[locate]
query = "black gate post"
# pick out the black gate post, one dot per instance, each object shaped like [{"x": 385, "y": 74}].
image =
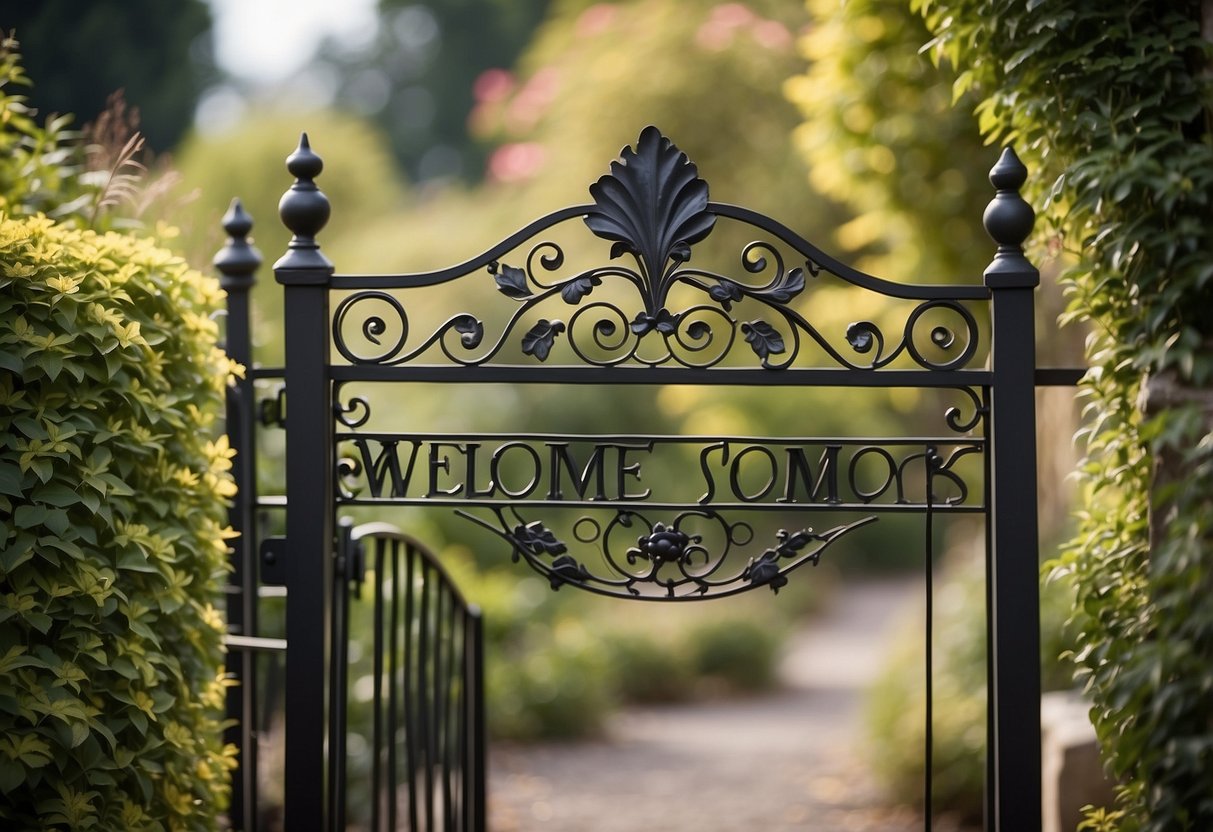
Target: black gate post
[
  {"x": 237, "y": 263},
  {"x": 1014, "y": 571},
  {"x": 304, "y": 273}
]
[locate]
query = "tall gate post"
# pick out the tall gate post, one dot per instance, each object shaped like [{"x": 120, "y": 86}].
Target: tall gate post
[
  {"x": 237, "y": 263},
  {"x": 1014, "y": 571},
  {"x": 304, "y": 273}
]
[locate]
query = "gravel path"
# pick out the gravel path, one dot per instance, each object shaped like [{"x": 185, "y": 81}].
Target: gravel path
[{"x": 777, "y": 763}]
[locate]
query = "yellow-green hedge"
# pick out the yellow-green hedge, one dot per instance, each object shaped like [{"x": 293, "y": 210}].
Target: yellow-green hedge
[{"x": 112, "y": 525}]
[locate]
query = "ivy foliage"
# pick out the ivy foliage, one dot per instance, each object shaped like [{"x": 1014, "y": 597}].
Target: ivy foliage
[
  {"x": 112, "y": 518},
  {"x": 1109, "y": 104}
]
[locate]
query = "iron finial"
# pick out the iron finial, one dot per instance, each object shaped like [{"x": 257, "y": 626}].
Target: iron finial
[
  {"x": 1008, "y": 220},
  {"x": 238, "y": 259},
  {"x": 304, "y": 210}
]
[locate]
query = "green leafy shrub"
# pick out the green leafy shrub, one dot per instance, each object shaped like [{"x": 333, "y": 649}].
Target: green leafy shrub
[
  {"x": 557, "y": 688},
  {"x": 739, "y": 651},
  {"x": 560, "y": 663},
  {"x": 648, "y": 668},
  {"x": 38, "y": 163},
  {"x": 112, "y": 532},
  {"x": 897, "y": 700}
]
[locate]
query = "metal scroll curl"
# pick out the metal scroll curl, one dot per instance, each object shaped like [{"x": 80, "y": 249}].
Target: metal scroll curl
[
  {"x": 959, "y": 419},
  {"x": 661, "y": 560},
  {"x": 653, "y": 209}
]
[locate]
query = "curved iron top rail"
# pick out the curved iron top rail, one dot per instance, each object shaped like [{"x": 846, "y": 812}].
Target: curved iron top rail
[
  {"x": 653, "y": 209},
  {"x": 905, "y": 291},
  {"x": 388, "y": 531}
]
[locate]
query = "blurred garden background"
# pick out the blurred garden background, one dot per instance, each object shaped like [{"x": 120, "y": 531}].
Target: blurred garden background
[{"x": 446, "y": 125}]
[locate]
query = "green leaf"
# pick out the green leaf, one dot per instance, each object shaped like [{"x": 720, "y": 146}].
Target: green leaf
[
  {"x": 13, "y": 556},
  {"x": 135, "y": 560},
  {"x": 56, "y": 494},
  {"x": 12, "y": 775},
  {"x": 10, "y": 481},
  {"x": 9, "y": 361},
  {"x": 15, "y": 658},
  {"x": 80, "y": 733},
  {"x": 39, "y": 621},
  {"x": 51, "y": 364},
  {"x": 28, "y": 516},
  {"x": 57, "y": 521}
]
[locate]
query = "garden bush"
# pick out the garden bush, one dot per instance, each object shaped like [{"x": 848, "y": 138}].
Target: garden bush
[
  {"x": 649, "y": 669},
  {"x": 897, "y": 700},
  {"x": 112, "y": 533},
  {"x": 739, "y": 651}
]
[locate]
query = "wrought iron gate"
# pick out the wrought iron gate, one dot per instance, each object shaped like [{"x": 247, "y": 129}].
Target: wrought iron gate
[{"x": 657, "y": 310}]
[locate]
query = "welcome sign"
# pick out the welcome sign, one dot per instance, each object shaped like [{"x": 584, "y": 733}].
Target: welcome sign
[{"x": 673, "y": 471}]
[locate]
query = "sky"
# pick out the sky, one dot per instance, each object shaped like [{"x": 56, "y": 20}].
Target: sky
[{"x": 264, "y": 41}]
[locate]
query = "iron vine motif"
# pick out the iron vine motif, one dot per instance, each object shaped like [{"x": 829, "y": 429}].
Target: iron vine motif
[
  {"x": 653, "y": 207},
  {"x": 673, "y": 563}
]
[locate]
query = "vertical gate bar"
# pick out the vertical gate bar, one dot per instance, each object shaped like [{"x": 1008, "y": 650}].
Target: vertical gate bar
[
  {"x": 339, "y": 677},
  {"x": 393, "y": 664},
  {"x": 466, "y": 720},
  {"x": 451, "y": 714},
  {"x": 410, "y": 677},
  {"x": 436, "y": 702},
  {"x": 305, "y": 274},
  {"x": 988, "y": 562},
  {"x": 1015, "y": 646},
  {"x": 377, "y": 788},
  {"x": 478, "y": 728},
  {"x": 928, "y": 800},
  {"x": 237, "y": 263},
  {"x": 461, "y": 708},
  {"x": 442, "y": 714},
  {"x": 424, "y": 684}
]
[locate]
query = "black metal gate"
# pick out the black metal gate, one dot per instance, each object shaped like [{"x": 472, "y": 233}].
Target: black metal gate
[{"x": 573, "y": 507}]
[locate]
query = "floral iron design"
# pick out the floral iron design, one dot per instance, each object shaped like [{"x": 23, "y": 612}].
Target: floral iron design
[
  {"x": 668, "y": 562},
  {"x": 653, "y": 207}
]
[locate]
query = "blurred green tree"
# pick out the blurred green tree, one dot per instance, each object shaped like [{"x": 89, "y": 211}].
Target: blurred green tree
[
  {"x": 417, "y": 80},
  {"x": 881, "y": 135},
  {"x": 81, "y": 53}
]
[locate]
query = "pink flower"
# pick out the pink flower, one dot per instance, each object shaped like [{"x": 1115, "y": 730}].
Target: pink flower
[
  {"x": 492, "y": 85},
  {"x": 516, "y": 162},
  {"x": 596, "y": 19}
]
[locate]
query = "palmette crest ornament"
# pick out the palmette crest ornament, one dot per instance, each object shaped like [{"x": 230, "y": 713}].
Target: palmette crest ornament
[{"x": 652, "y": 205}]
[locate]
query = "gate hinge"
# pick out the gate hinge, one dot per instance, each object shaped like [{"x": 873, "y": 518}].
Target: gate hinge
[
  {"x": 271, "y": 412},
  {"x": 350, "y": 566}
]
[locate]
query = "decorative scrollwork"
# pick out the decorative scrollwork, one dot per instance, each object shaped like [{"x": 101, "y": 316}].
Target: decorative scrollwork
[
  {"x": 668, "y": 561},
  {"x": 653, "y": 208},
  {"x": 353, "y": 414},
  {"x": 943, "y": 338},
  {"x": 373, "y": 326},
  {"x": 953, "y": 416}
]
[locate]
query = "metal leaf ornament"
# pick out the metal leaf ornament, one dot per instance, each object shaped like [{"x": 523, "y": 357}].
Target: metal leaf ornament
[{"x": 652, "y": 205}]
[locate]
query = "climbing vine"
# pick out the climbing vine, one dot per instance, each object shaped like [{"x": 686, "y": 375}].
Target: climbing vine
[{"x": 1109, "y": 104}]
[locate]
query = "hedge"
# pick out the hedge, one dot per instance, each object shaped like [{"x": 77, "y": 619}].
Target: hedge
[{"x": 113, "y": 479}]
